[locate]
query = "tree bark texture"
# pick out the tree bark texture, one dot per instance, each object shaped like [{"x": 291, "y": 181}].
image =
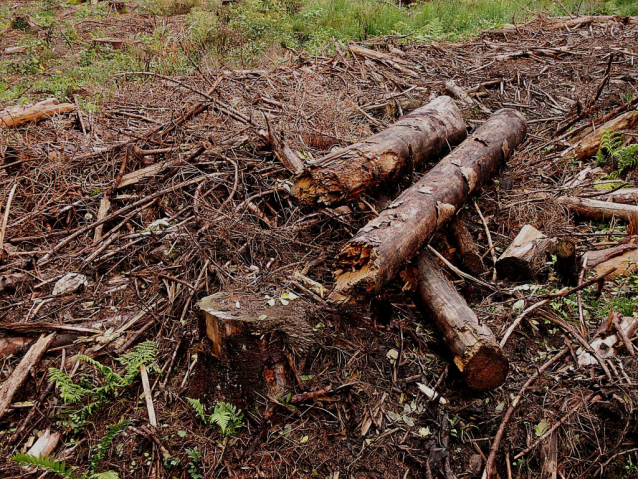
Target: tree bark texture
[
  {"x": 380, "y": 249},
  {"x": 598, "y": 210},
  {"x": 416, "y": 138},
  {"x": 476, "y": 352},
  {"x": 466, "y": 248}
]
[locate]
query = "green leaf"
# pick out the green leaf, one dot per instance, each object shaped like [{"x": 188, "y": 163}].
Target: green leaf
[{"x": 541, "y": 428}]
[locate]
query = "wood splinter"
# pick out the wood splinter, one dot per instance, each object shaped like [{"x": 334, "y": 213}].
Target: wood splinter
[{"x": 476, "y": 353}]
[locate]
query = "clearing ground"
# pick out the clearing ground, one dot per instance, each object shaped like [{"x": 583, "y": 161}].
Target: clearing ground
[{"x": 215, "y": 214}]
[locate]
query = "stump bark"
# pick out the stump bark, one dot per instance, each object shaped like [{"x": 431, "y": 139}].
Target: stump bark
[
  {"x": 380, "y": 249},
  {"x": 251, "y": 342},
  {"x": 476, "y": 353},
  {"x": 418, "y": 137},
  {"x": 466, "y": 248}
]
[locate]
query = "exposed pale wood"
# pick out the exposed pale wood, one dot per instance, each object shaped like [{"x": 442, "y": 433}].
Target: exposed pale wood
[
  {"x": 148, "y": 172},
  {"x": 103, "y": 210},
  {"x": 626, "y": 196},
  {"x": 380, "y": 249},
  {"x": 476, "y": 352},
  {"x": 286, "y": 156},
  {"x": 588, "y": 143},
  {"x": 415, "y": 139},
  {"x": 45, "y": 444},
  {"x": 20, "y": 373},
  {"x": 249, "y": 338},
  {"x": 18, "y": 115},
  {"x": 148, "y": 395},
  {"x": 620, "y": 265},
  {"x": 598, "y": 210},
  {"x": 467, "y": 249},
  {"x": 591, "y": 259},
  {"x": 526, "y": 256},
  {"x": 607, "y": 346},
  {"x": 458, "y": 92},
  {"x": 569, "y": 22}
]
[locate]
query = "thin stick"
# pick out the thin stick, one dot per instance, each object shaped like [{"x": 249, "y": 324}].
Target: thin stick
[
  {"x": 489, "y": 239},
  {"x": 489, "y": 465},
  {"x": 6, "y": 215},
  {"x": 148, "y": 396},
  {"x": 462, "y": 274}
]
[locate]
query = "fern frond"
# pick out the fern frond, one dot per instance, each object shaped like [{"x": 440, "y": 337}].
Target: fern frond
[
  {"x": 70, "y": 392},
  {"x": 44, "y": 462},
  {"x": 627, "y": 157},
  {"x": 199, "y": 408},
  {"x": 143, "y": 353},
  {"x": 228, "y": 418},
  {"x": 104, "y": 445}
]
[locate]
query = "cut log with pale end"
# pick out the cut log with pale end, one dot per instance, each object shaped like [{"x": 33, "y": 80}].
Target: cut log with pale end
[
  {"x": 606, "y": 347},
  {"x": 526, "y": 256},
  {"x": 20, "y": 373},
  {"x": 344, "y": 175},
  {"x": 588, "y": 143},
  {"x": 476, "y": 352},
  {"x": 620, "y": 265},
  {"x": 466, "y": 248},
  {"x": 381, "y": 249},
  {"x": 45, "y": 444},
  {"x": 18, "y": 115},
  {"x": 566, "y": 265},
  {"x": 598, "y": 210},
  {"x": 457, "y": 92},
  {"x": 250, "y": 336}
]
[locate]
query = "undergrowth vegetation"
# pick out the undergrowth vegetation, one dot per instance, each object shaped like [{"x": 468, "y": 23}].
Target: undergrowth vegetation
[{"x": 63, "y": 60}]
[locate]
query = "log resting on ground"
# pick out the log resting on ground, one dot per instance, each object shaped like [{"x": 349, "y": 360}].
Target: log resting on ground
[
  {"x": 380, "y": 250},
  {"x": 598, "y": 210},
  {"x": 526, "y": 256},
  {"x": 466, "y": 248},
  {"x": 346, "y": 174},
  {"x": 476, "y": 352},
  {"x": 588, "y": 143}
]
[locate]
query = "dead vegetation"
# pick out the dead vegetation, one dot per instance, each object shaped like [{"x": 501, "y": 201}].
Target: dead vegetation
[{"x": 173, "y": 192}]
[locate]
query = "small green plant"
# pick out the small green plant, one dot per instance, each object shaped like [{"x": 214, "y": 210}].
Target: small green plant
[
  {"x": 227, "y": 417},
  {"x": 611, "y": 148},
  {"x": 97, "y": 393},
  {"x": 194, "y": 463}
]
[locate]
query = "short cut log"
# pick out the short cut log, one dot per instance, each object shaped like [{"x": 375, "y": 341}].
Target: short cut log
[
  {"x": 419, "y": 137},
  {"x": 379, "y": 250},
  {"x": 526, "y": 256},
  {"x": 598, "y": 210},
  {"x": 477, "y": 355}
]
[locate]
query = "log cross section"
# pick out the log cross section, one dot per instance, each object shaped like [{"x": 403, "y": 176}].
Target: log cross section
[{"x": 379, "y": 250}]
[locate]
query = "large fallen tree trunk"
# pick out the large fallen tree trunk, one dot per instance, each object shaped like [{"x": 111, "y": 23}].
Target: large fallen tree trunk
[
  {"x": 598, "y": 210},
  {"x": 379, "y": 250},
  {"x": 476, "y": 352},
  {"x": 346, "y": 174},
  {"x": 626, "y": 196},
  {"x": 18, "y": 115}
]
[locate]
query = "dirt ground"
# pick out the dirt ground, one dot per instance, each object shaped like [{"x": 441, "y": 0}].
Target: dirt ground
[{"x": 230, "y": 225}]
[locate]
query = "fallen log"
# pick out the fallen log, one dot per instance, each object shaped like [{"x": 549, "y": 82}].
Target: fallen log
[
  {"x": 626, "y": 196},
  {"x": 18, "y": 115},
  {"x": 591, "y": 259},
  {"x": 345, "y": 175},
  {"x": 466, "y": 248},
  {"x": 598, "y": 210},
  {"x": 588, "y": 143},
  {"x": 380, "y": 249},
  {"x": 250, "y": 336},
  {"x": 476, "y": 353},
  {"x": 395, "y": 62},
  {"x": 526, "y": 256}
]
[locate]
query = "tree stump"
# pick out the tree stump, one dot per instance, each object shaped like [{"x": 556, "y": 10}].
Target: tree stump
[{"x": 526, "y": 257}]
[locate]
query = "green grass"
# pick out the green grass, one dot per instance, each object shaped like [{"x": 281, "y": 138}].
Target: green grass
[{"x": 239, "y": 34}]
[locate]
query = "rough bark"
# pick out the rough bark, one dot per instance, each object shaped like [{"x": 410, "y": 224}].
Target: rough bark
[
  {"x": 466, "y": 248},
  {"x": 345, "y": 175},
  {"x": 476, "y": 352},
  {"x": 598, "y": 210},
  {"x": 526, "y": 256},
  {"x": 379, "y": 250},
  {"x": 566, "y": 265},
  {"x": 595, "y": 258},
  {"x": 626, "y": 196},
  {"x": 18, "y": 115},
  {"x": 249, "y": 343},
  {"x": 588, "y": 144}
]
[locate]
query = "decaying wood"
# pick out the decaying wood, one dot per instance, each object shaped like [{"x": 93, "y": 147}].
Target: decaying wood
[
  {"x": 588, "y": 143},
  {"x": 619, "y": 265},
  {"x": 466, "y": 248},
  {"x": 606, "y": 347},
  {"x": 598, "y": 210},
  {"x": 380, "y": 249},
  {"x": 458, "y": 92},
  {"x": 476, "y": 352},
  {"x": 45, "y": 444},
  {"x": 526, "y": 256},
  {"x": 626, "y": 196},
  {"x": 566, "y": 265},
  {"x": 591, "y": 259},
  {"x": 20, "y": 373},
  {"x": 18, "y": 115},
  {"x": 395, "y": 62},
  {"x": 249, "y": 338},
  {"x": 346, "y": 174}
]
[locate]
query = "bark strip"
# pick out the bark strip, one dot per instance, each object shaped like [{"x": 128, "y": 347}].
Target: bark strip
[
  {"x": 380, "y": 249},
  {"x": 416, "y": 138}
]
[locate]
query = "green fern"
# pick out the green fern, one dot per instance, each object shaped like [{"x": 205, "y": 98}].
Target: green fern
[
  {"x": 226, "y": 416},
  {"x": 47, "y": 463},
  {"x": 611, "y": 148},
  {"x": 104, "y": 445},
  {"x": 144, "y": 353}
]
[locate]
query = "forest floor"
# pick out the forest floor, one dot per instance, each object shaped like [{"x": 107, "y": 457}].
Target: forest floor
[{"x": 215, "y": 214}]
